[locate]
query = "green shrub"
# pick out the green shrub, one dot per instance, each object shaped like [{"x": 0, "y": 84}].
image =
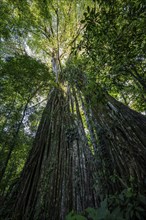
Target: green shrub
[{"x": 124, "y": 206}]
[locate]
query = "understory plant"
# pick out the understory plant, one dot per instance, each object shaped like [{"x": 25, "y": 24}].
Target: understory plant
[{"x": 127, "y": 205}]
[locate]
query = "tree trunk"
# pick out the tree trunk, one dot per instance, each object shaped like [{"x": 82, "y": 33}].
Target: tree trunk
[
  {"x": 66, "y": 170},
  {"x": 57, "y": 176},
  {"x": 122, "y": 143},
  {"x": 12, "y": 145}
]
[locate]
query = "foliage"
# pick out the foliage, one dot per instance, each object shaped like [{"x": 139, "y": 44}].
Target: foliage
[
  {"x": 124, "y": 206},
  {"x": 115, "y": 40},
  {"x": 23, "y": 81}
]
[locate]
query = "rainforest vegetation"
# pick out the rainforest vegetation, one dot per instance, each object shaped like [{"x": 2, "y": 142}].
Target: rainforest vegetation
[{"x": 73, "y": 110}]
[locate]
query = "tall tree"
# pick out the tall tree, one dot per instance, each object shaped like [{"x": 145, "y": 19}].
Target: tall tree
[{"x": 87, "y": 143}]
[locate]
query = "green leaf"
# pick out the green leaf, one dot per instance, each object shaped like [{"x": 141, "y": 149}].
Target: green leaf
[
  {"x": 73, "y": 216},
  {"x": 88, "y": 9},
  {"x": 82, "y": 21},
  {"x": 138, "y": 215},
  {"x": 140, "y": 209},
  {"x": 142, "y": 199},
  {"x": 116, "y": 212},
  {"x": 93, "y": 213}
]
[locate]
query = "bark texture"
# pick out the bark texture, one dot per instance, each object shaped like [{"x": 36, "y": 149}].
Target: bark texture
[
  {"x": 121, "y": 138},
  {"x": 57, "y": 176},
  {"x": 83, "y": 148}
]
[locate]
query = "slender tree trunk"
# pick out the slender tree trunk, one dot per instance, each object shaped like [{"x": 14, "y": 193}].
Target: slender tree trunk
[
  {"x": 12, "y": 145},
  {"x": 13, "y": 142}
]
